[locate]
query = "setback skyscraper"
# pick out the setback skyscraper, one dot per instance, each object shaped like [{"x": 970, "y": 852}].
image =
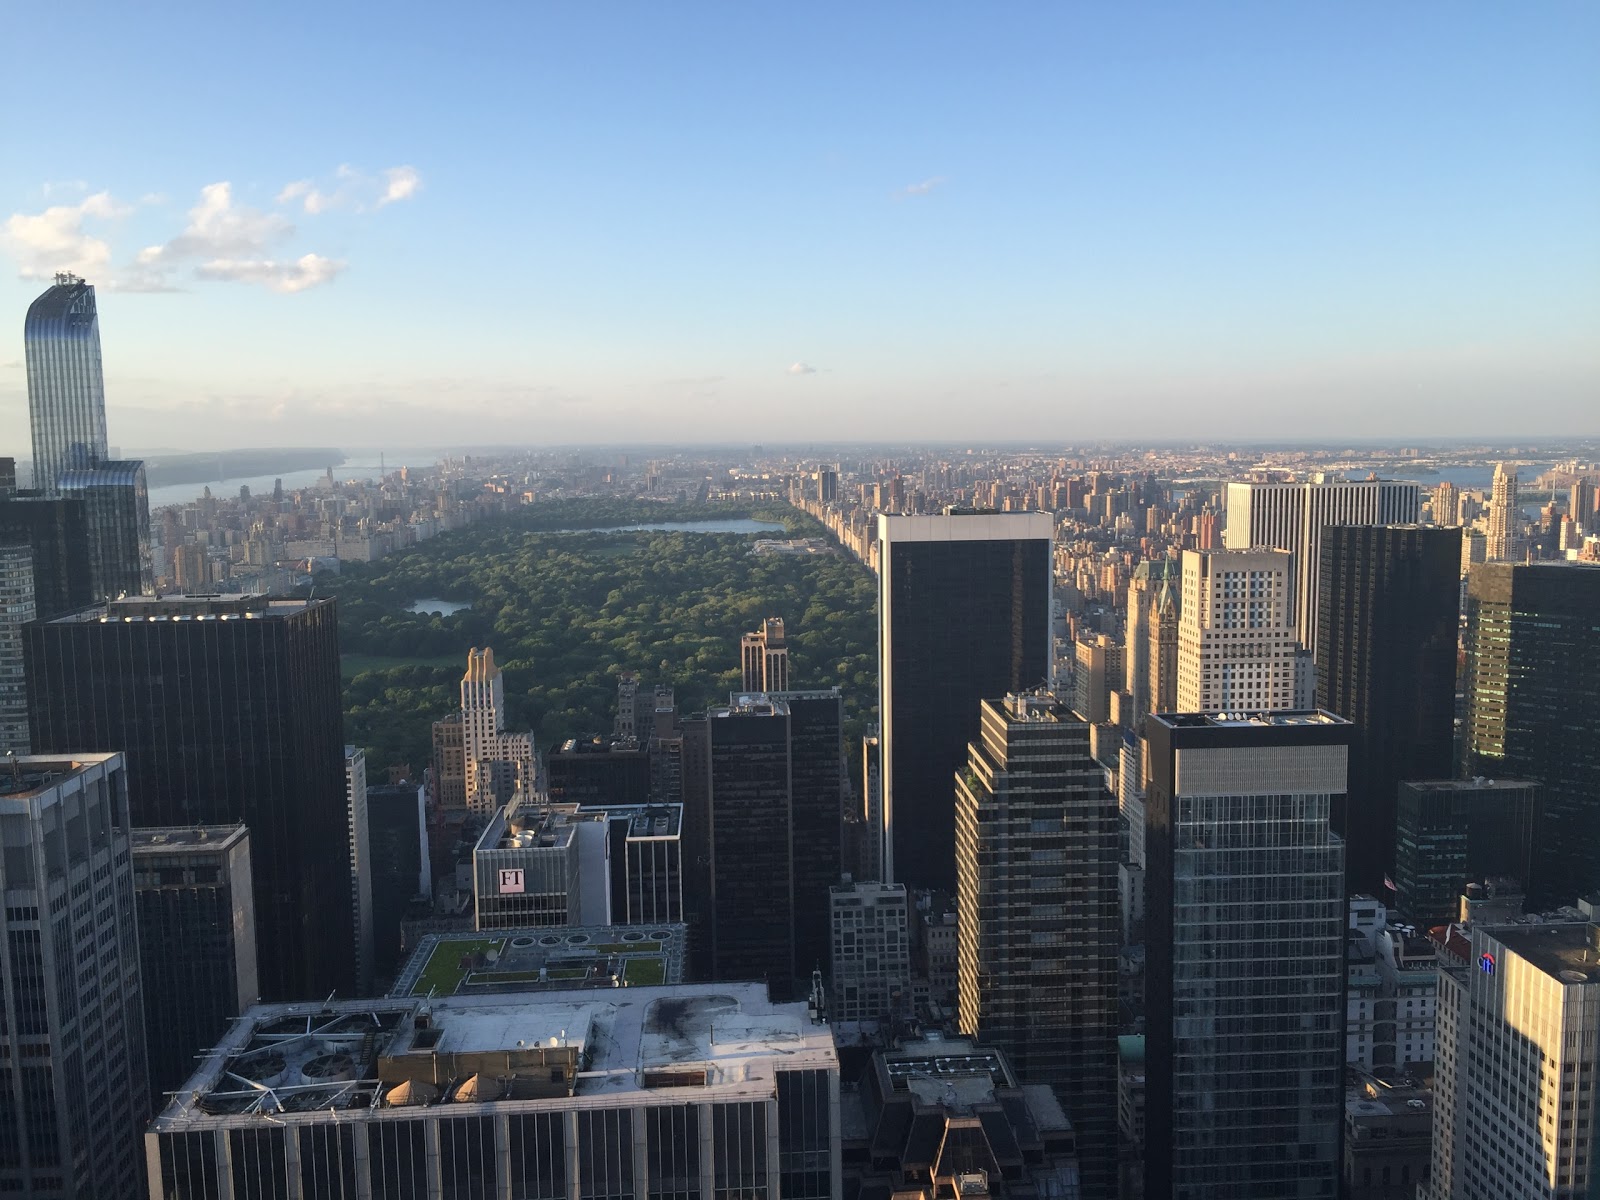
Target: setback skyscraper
[
  {"x": 764, "y": 656},
  {"x": 66, "y": 391},
  {"x": 1386, "y": 662},
  {"x": 73, "y": 1091},
  {"x": 1533, "y": 708},
  {"x": 1244, "y": 943},
  {"x": 228, "y": 709},
  {"x": 963, "y": 615},
  {"x": 1036, "y": 863},
  {"x": 1505, "y": 541}
]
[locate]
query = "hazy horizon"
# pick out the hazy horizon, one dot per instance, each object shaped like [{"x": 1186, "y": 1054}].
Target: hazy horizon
[{"x": 1253, "y": 222}]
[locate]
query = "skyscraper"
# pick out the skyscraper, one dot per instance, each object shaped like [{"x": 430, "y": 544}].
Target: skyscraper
[
  {"x": 1386, "y": 662},
  {"x": 116, "y": 506},
  {"x": 1451, "y": 832},
  {"x": 751, "y": 904},
  {"x": 356, "y": 830},
  {"x": 55, "y": 529},
  {"x": 764, "y": 655},
  {"x": 1533, "y": 708},
  {"x": 963, "y": 614},
  {"x": 66, "y": 392},
  {"x": 397, "y": 834},
  {"x": 16, "y": 610},
  {"x": 1505, "y": 540},
  {"x": 1150, "y": 659},
  {"x": 1236, "y": 650},
  {"x": 228, "y": 709},
  {"x": 1292, "y": 516},
  {"x": 870, "y": 978},
  {"x": 197, "y": 942},
  {"x": 1517, "y": 1087},
  {"x": 73, "y": 1091},
  {"x": 1036, "y": 864},
  {"x": 497, "y": 764},
  {"x": 1244, "y": 943}
]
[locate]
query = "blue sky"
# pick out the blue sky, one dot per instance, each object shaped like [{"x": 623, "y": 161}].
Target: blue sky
[{"x": 544, "y": 223}]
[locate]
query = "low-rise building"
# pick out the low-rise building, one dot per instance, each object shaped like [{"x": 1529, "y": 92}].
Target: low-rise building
[{"x": 1388, "y": 1133}]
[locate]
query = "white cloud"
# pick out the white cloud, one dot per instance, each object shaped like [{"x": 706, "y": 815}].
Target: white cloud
[
  {"x": 801, "y": 368},
  {"x": 353, "y": 189},
  {"x": 219, "y": 227},
  {"x": 307, "y": 271},
  {"x": 923, "y": 188},
  {"x": 55, "y": 239},
  {"x": 400, "y": 183}
]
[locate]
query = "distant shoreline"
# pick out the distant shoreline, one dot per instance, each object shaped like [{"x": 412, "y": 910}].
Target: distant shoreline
[{"x": 169, "y": 469}]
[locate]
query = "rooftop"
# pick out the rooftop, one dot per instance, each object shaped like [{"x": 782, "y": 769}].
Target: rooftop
[
  {"x": 1568, "y": 952},
  {"x": 1479, "y": 783},
  {"x": 1242, "y": 720},
  {"x": 23, "y": 775},
  {"x": 223, "y": 607},
  {"x": 544, "y": 959},
  {"x": 194, "y": 838},
  {"x": 558, "y": 1050}
]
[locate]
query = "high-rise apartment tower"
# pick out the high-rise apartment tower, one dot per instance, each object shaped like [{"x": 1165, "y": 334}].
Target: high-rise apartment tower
[{"x": 66, "y": 390}]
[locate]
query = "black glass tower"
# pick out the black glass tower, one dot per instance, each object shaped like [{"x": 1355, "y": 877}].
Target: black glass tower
[
  {"x": 1388, "y": 601},
  {"x": 228, "y": 710},
  {"x": 396, "y": 830},
  {"x": 55, "y": 528},
  {"x": 1533, "y": 708},
  {"x": 963, "y": 615},
  {"x": 1036, "y": 855},
  {"x": 116, "y": 506},
  {"x": 1244, "y": 943},
  {"x": 1451, "y": 832}
]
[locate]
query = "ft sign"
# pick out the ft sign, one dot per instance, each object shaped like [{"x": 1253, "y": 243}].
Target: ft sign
[{"x": 511, "y": 881}]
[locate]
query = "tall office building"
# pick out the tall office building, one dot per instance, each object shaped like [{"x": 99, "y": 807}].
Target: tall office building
[
  {"x": 1036, "y": 912},
  {"x": 66, "y": 391},
  {"x": 816, "y": 813},
  {"x": 55, "y": 529},
  {"x": 870, "y": 979},
  {"x": 1150, "y": 658},
  {"x": 681, "y": 1091},
  {"x": 1452, "y": 832},
  {"x": 197, "y": 942},
  {"x": 73, "y": 1090},
  {"x": 1244, "y": 952},
  {"x": 16, "y": 610},
  {"x": 228, "y": 709},
  {"x": 871, "y": 864},
  {"x": 1517, "y": 1084},
  {"x": 1581, "y": 504},
  {"x": 1386, "y": 662},
  {"x": 1236, "y": 649},
  {"x": 497, "y": 764},
  {"x": 764, "y": 655},
  {"x": 356, "y": 830},
  {"x": 1533, "y": 708},
  {"x": 963, "y": 614},
  {"x": 116, "y": 506},
  {"x": 397, "y": 834},
  {"x": 1446, "y": 505},
  {"x": 1292, "y": 516},
  {"x": 448, "y": 774},
  {"x": 1505, "y": 540},
  {"x": 751, "y": 901}
]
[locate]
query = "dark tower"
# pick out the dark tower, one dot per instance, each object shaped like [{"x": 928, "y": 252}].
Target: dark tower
[
  {"x": 228, "y": 710},
  {"x": 963, "y": 615},
  {"x": 1533, "y": 708},
  {"x": 1388, "y": 598}
]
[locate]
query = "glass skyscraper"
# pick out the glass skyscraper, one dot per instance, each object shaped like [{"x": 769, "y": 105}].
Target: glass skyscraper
[
  {"x": 66, "y": 391},
  {"x": 1245, "y": 956}
]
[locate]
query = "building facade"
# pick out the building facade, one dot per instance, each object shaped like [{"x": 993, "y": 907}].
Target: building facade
[
  {"x": 871, "y": 975},
  {"x": 497, "y": 764},
  {"x": 1517, "y": 1087},
  {"x": 66, "y": 389},
  {"x": 1505, "y": 541},
  {"x": 397, "y": 833},
  {"x": 1244, "y": 943},
  {"x": 963, "y": 614},
  {"x": 1037, "y": 914},
  {"x": 1533, "y": 708},
  {"x": 764, "y": 657},
  {"x": 1236, "y": 647},
  {"x": 197, "y": 942},
  {"x": 229, "y": 711},
  {"x": 358, "y": 832},
  {"x": 73, "y": 1084},
  {"x": 1292, "y": 516},
  {"x": 16, "y": 610},
  {"x": 1386, "y": 662},
  {"x": 116, "y": 506}
]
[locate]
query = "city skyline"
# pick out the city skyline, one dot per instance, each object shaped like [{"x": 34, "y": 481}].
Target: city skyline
[{"x": 1228, "y": 223}]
